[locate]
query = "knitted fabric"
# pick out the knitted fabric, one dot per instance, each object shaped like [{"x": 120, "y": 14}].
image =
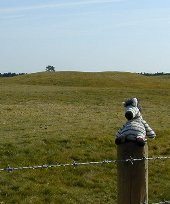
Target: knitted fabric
[{"x": 135, "y": 127}]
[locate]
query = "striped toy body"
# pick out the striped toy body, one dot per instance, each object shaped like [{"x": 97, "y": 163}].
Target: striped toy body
[{"x": 134, "y": 129}]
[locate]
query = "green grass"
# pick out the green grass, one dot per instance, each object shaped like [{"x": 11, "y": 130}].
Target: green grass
[{"x": 71, "y": 116}]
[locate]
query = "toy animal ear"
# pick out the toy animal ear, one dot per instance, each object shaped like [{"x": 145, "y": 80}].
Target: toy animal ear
[
  {"x": 135, "y": 102},
  {"x": 138, "y": 104},
  {"x": 129, "y": 102},
  {"x": 132, "y": 102}
]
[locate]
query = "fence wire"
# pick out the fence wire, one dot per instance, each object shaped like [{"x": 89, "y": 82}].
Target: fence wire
[
  {"x": 75, "y": 164},
  {"x": 130, "y": 160},
  {"x": 163, "y": 202}
]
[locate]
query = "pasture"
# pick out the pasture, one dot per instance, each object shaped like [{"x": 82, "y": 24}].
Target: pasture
[{"x": 71, "y": 116}]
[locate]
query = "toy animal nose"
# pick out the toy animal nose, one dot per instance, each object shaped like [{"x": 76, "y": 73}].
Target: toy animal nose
[{"x": 129, "y": 115}]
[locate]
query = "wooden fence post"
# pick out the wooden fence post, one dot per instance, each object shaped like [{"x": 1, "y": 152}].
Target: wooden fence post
[{"x": 132, "y": 178}]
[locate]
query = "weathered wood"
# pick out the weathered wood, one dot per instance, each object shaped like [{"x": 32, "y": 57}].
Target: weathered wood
[{"x": 132, "y": 178}]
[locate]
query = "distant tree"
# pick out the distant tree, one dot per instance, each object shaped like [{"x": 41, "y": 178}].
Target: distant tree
[{"x": 50, "y": 68}]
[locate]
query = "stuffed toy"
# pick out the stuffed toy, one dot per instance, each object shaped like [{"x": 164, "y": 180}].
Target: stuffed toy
[{"x": 135, "y": 129}]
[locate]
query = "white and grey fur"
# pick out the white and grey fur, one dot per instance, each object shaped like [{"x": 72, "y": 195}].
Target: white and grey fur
[{"x": 135, "y": 129}]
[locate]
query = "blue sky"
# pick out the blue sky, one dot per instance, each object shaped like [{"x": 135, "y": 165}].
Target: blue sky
[{"x": 85, "y": 35}]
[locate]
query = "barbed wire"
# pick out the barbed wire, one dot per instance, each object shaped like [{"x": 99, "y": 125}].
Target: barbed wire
[
  {"x": 75, "y": 164},
  {"x": 163, "y": 202}
]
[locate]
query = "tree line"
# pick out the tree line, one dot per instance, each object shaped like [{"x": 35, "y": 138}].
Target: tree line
[
  {"x": 50, "y": 68},
  {"x": 9, "y": 74},
  {"x": 154, "y": 74}
]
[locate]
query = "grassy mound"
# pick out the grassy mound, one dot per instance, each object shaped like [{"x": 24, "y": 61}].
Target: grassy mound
[
  {"x": 71, "y": 116},
  {"x": 87, "y": 79}
]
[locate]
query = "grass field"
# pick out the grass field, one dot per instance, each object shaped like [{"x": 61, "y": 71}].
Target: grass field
[{"x": 70, "y": 116}]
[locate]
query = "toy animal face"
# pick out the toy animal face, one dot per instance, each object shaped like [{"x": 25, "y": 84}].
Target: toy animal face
[
  {"x": 132, "y": 109},
  {"x": 131, "y": 112}
]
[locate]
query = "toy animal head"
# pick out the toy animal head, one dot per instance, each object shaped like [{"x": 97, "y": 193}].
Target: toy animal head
[{"x": 132, "y": 108}]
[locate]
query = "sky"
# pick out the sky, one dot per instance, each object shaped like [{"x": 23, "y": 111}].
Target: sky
[{"x": 85, "y": 35}]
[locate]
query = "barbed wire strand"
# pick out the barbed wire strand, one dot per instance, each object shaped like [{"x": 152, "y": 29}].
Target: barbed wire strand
[
  {"x": 163, "y": 202},
  {"x": 75, "y": 164}
]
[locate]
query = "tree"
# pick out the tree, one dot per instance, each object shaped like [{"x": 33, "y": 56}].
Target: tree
[{"x": 50, "y": 68}]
